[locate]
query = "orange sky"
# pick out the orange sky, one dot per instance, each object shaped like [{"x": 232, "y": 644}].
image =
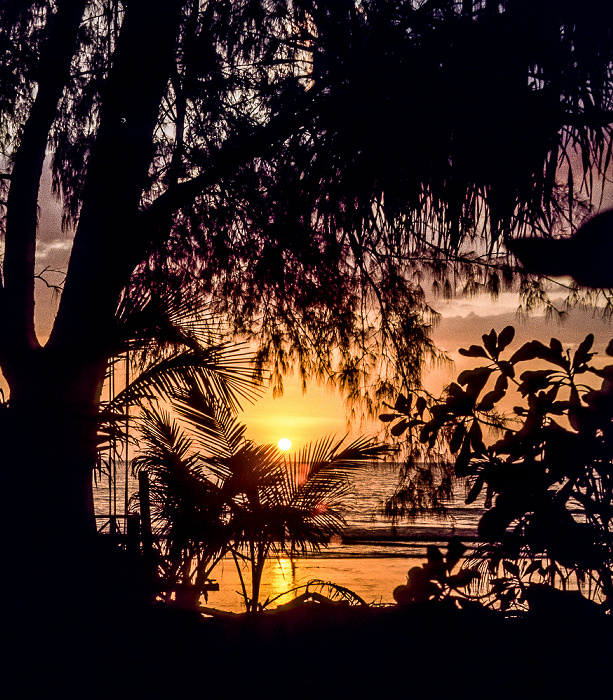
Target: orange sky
[{"x": 321, "y": 411}]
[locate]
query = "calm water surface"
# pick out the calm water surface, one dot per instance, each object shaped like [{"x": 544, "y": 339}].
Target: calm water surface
[{"x": 371, "y": 559}]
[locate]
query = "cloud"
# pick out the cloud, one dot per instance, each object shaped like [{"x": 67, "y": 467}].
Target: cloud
[
  {"x": 460, "y": 331},
  {"x": 482, "y": 305},
  {"x": 58, "y": 249}
]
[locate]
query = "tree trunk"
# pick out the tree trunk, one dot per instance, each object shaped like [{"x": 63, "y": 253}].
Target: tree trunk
[
  {"x": 68, "y": 593},
  {"x": 48, "y": 450},
  {"x": 260, "y": 554},
  {"x": 49, "y": 427}
]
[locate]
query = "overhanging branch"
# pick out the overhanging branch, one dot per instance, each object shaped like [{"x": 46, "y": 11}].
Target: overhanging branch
[
  {"x": 234, "y": 153},
  {"x": 17, "y": 298}
]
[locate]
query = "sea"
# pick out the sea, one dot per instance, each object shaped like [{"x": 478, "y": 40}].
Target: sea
[{"x": 370, "y": 559}]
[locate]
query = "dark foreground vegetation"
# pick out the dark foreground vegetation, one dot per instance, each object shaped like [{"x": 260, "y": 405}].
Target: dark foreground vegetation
[
  {"x": 541, "y": 472},
  {"x": 297, "y": 170},
  {"x": 326, "y": 651}
]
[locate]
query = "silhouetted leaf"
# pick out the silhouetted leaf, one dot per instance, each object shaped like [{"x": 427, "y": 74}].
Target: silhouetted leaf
[
  {"x": 609, "y": 349},
  {"x": 457, "y": 438},
  {"x": 476, "y": 437},
  {"x": 574, "y": 409},
  {"x": 488, "y": 401},
  {"x": 492, "y": 525},
  {"x": 475, "y": 379},
  {"x": 455, "y": 391},
  {"x": 475, "y": 490},
  {"x": 434, "y": 554},
  {"x": 603, "y": 372},
  {"x": 463, "y": 460},
  {"x": 534, "y": 380},
  {"x": 403, "y": 405},
  {"x": 506, "y": 337},
  {"x": 455, "y": 551},
  {"x": 432, "y": 439},
  {"x": 425, "y": 431},
  {"x": 574, "y": 399},
  {"x": 492, "y": 397},
  {"x": 420, "y": 405},
  {"x": 387, "y": 417},
  {"x": 528, "y": 351},
  {"x": 430, "y": 430},
  {"x": 489, "y": 495},
  {"x": 474, "y": 351},
  {"x": 536, "y": 350},
  {"x": 459, "y": 402},
  {"x": 399, "y": 428},
  {"x": 489, "y": 342},
  {"x": 582, "y": 354}
]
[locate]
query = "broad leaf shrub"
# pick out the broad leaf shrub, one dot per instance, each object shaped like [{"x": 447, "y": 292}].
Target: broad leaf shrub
[
  {"x": 435, "y": 580},
  {"x": 543, "y": 472}
]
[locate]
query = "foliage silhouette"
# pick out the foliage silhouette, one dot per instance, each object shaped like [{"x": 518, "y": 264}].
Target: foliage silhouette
[
  {"x": 171, "y": 344},
  {"x": 584, "y": 256},
  {"x": 434, "y": 580},
  {"x": 313, "y": 592},
  {"x": 546, "y": 481},
  {"x": 300, "y": 164},
  {"x": 213, "y": 492}
]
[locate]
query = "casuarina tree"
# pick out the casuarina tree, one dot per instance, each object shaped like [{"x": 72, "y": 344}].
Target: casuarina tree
[{"x": 299, "y": 164}]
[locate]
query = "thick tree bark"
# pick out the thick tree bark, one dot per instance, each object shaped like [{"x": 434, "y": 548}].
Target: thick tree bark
[
  {"x": 107, "y": 246},
  {"x": 49, "y": 428},
  {"x": 17, "y": 293},
  {"x": 29, "y": 426}
]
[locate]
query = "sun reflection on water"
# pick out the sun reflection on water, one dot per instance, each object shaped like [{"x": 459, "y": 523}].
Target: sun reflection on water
[{"x": 281, "y": 577}]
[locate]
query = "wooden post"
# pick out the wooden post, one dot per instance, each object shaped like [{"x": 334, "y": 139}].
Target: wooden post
[
  {"x": 133, "y": 534},
  {"x": 145, "y": 509},
  {"x": 145, "y": 528}
]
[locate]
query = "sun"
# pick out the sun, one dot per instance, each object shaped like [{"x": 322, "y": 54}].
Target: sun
[{"x": 284, "y": 444}]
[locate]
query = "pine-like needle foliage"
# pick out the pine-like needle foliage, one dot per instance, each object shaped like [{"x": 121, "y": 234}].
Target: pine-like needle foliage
[{"x": 313, "y": 163}]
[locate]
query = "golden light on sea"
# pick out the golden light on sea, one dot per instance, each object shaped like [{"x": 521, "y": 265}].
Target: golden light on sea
[{"x": 284, "y": 444}]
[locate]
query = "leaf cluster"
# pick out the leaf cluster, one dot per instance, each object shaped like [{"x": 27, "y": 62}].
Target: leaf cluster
[
  {"x": 434, "y": 580},
  {"x": 311, "y": 159},
  {"x": 546, "y": 481},
  {"x": 214, "y": 492},
  {"x": 166, "y": 346}
]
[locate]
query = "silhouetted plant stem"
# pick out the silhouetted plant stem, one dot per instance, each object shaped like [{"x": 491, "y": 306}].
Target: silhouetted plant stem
[
  {"x": 241, "y": 579},
  {"x": 547, "y": 502},
  {"x": 259, "y": 553}
]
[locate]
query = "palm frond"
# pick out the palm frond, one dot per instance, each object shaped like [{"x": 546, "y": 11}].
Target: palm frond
[
  {"x": 216, "y": 429},
  {"x": 188, "y": 507},
  {"x": 222, "y": 372},
  {"x": 163, "y": 436},
  {"x": 154, "y": 315},
  {"x": 215, "y": 489},
  {"x": 332, "y": 591},
  {"x": 325, "y": 467}
]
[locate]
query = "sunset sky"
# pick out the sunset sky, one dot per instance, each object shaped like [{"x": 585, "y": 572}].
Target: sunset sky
[{"x": 321, "y": 411}]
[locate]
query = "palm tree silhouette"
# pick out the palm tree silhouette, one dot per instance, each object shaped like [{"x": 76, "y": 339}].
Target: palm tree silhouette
[{"x": 214, "y": 492}]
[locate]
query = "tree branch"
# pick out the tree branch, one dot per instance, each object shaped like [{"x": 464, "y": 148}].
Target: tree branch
[
  {"x": 105, "y": 251},
  {"x": 235, "y": 152},
  {"x": 17, "y": 298}
]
